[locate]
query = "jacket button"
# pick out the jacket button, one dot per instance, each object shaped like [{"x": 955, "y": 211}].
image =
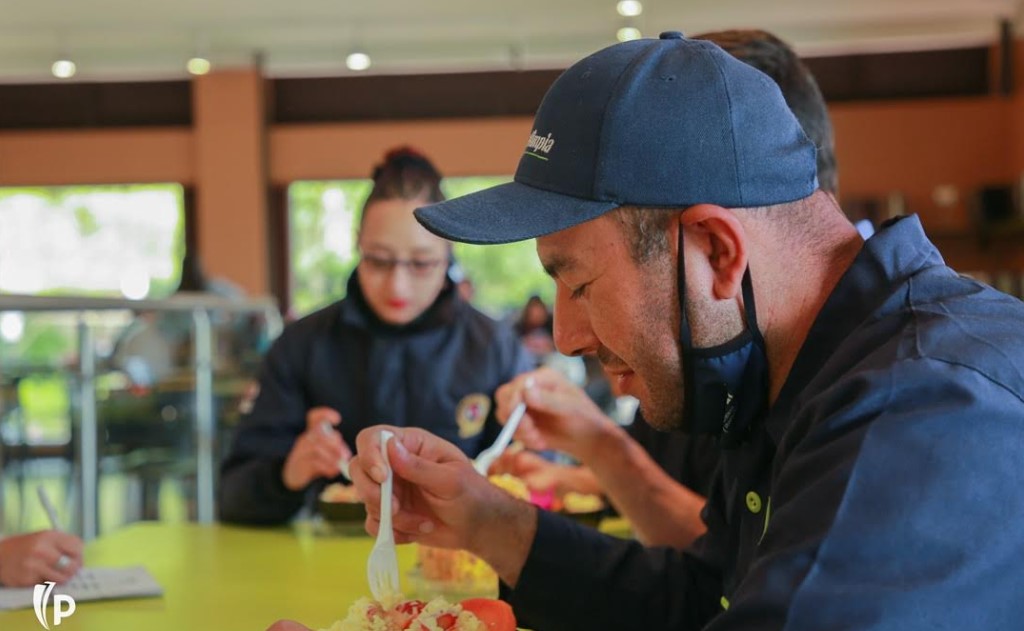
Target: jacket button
[{"x": 754, "y": 502}]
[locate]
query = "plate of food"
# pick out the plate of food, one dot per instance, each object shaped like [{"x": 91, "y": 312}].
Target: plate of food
[
  {"x": 585, "y": 508},
  {"x": 342, "y": 509},
  {"x": 451, "y": 574},
  {"x": 458, "y": 574},
  {"x": 473, "y": 614}
]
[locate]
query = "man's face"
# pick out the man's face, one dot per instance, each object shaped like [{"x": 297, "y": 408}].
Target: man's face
[{"x": 623, "y": 312}]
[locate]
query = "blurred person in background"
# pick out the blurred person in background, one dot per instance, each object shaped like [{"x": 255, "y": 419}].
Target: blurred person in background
[
  {"x": 29, "y": 559},
  {"x": 534, "y": 328},
  {"x": 402, "y": 347},
  {"x": 463, "y": 283},
  {"x": 148, "y": 421},
  {"x": 158, "y": 344},
  {"x": 677, "y": 466}
]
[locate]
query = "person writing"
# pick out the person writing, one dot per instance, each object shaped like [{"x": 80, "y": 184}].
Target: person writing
[
  {"x": 868, "y": 401},
  {"x": 401, "y": 347},
  {"x": 33, "y": 558}
]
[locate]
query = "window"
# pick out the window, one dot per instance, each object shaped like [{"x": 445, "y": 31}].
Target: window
[
  {"x": 96, "y": 240},
  {"x": 78, "y": 240},
  {"x": 115, "y": 241}
]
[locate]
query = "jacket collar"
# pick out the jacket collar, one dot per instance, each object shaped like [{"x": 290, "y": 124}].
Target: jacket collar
[
  {"x": 356, "y": 312},
  {"x": 896, "y": 252}
]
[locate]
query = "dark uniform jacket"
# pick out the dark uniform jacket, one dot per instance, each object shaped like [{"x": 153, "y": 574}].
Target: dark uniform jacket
[
  {"x": 438, "y": 372},
  {"x": 688, "y": 459},
  {"x": 882, "y": 492}
]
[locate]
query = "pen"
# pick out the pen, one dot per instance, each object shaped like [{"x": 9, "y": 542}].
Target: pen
[
  {"x": 64, "y": 561},
  {"x": 51, "y": 512}
]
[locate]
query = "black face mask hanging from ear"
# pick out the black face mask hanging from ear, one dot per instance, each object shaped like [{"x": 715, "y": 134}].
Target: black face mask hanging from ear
[{"x": 726, "y": 386}]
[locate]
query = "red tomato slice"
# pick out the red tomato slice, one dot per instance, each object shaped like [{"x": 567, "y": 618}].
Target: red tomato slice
[
  {"x": 496, "y": 614},
  {"x": 405, "y": 612},
  {"x": 412, "y": 607}
]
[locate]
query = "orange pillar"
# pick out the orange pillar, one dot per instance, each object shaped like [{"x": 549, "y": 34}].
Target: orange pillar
[{"x": 229, "y": 122}]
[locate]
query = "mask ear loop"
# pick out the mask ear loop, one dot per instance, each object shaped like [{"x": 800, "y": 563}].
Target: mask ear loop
[
  {"x": 685, "y": 339},
  {"x": 684, "y": 323},
  {"x": 687, "y": 351},
  {"x": 749, "y": 308},
  {"x": 685, "y": 336}
]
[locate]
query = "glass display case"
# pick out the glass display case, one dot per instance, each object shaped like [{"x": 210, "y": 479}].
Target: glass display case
[{"x": 122, "y": 409}]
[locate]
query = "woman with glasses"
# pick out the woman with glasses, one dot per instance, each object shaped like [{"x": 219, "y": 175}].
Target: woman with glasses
[{"x": 401, "y": 348}]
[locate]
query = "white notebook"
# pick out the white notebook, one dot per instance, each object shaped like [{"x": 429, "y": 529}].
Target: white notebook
[{"x": 92, "y": 583}]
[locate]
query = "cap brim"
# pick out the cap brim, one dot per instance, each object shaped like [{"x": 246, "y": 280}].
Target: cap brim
[{"x": 508, "y": 212}]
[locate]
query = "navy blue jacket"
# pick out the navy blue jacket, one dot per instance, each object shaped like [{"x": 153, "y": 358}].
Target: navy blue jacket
[
  {"x": 438, "y": 372},
  {"x": 884, "y": 490},
  {"x": 689, "y": 459}
]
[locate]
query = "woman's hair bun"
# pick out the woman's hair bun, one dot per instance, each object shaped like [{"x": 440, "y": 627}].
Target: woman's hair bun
[{"x": 406, "y": 173}]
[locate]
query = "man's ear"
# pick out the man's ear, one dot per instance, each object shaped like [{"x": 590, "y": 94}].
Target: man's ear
[{"x": 725, "y": 243}]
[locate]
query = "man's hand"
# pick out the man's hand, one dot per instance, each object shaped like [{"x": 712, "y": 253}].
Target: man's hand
[
  {"x": 441, "y": 501},
  {"x": 559, "y": 415},
  {"x": 539, "y": 474},
  {"x": 318, "y": 452},
  {"x": 26, "y": 560},
  {"x": 544, "y": 476}
]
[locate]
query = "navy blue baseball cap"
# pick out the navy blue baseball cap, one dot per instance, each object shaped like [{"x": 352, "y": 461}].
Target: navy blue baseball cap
[{"x": 660, "y": 123}]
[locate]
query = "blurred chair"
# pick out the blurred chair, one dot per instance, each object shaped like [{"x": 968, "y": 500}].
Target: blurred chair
[
  {"x": 23, "y": 458},
  {"x": 146, "y": 437}
]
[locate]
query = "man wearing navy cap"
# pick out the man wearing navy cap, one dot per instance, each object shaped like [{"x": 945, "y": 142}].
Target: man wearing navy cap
[
  {"x": 660, "y": 488},
  {"x": 869, "y": 402}
]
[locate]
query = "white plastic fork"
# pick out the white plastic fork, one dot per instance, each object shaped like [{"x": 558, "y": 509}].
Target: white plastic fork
[
  {"x": 382, "y": 567},
  {"x": 486, "y": 458}
]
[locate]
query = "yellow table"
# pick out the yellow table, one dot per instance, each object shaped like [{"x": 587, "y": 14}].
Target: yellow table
[{"x": 223, "y": 578}]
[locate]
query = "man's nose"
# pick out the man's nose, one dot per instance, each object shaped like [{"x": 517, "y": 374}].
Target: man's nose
[{"x": 572, "y": 331}]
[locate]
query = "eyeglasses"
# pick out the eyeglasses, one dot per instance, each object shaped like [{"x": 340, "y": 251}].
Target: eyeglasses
[{"x": 416, "y": 267}]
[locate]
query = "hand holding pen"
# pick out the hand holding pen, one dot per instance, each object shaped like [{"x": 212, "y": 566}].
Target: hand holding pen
[{"x": 49, "y": 555}]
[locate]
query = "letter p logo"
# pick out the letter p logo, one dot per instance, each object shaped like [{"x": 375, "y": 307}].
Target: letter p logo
[{"x": 63, "y": 605}]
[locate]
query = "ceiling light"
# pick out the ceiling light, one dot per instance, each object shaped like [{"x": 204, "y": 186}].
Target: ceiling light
[
  {"x": 63, "y": 68},
  {"x": 629, "y": 8},
  {"x": 628, "y": 33},
  {"x": 357, "y": 60},
  {"x": 198, "y": 65}
]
